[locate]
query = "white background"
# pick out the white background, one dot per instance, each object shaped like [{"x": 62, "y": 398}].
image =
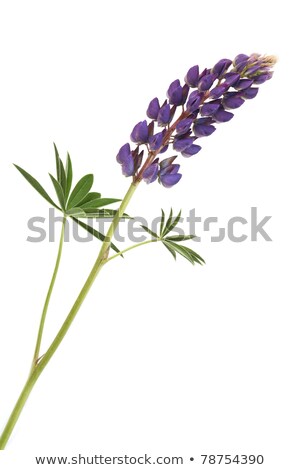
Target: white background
[{"x": 163, "y": 358}]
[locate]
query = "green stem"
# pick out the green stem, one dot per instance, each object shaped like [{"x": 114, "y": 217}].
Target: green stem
[
  {"x": 48, "y": 297},
  {"x": 132, "y": 247},
  {"x": 40, "y": 366}
]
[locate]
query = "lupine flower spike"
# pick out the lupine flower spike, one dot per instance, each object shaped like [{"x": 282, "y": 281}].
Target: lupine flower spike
[{"x": 191, "y": 111}]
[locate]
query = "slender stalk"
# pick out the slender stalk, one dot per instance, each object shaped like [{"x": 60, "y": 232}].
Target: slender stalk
[
  {"x": 132, "y": 247},
  {"x": 40, "y": 366},
  {"x": 48, "y": 297}
]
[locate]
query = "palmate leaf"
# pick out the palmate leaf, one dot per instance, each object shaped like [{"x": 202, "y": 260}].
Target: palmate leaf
[
  {"x": 171, "y": 242},
  {"x": 95, "y": 233},
  {"x": 37, "y": 186},
  {"x": 80, "y": 191}
]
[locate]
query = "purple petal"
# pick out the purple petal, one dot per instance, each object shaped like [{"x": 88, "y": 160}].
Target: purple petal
[
  {"x": 153, "y": 109},
  {"x": 150, "y": 174},
  {"x": 176, "y": 96},
  {"x": 218, "y": 91},
  {"x": 185, "y": 92},
  {"x": 253, "y": 69},
  {"x": 206, "y": 82},
  {"x": 192, "y": 150},
  {"x": 192, "y": 77},
  {"x": 220, "y": 68},
  {"x": 170, "y": 169},
  {"x": 222, "y": 116},
  {"x": 123, "y": 153},
  {"x": 173, "y": 87},
  {"x": 240, "y": 58},
  {"x": 164, "y": 149},
  {"x": 203, "y": 130},
  {"x": 250, "y": 93},
  {"x": 243, "y": 84},
  {"x": 231, "y": 78},
  {"x": 232, "y": 100},
  {"x": 262, "y": 78},
  {"x": 140, "y": 133},
  {"x": 209, "y": 109},
  {"x": 156, "y": 140},
  {"x": 170, "y": 180},
  {"x": 182, "y": 144},
  {"x": 164, "y": 115},
  {"x": 174, "y": 93},
  {"x": 184, "y": 126},
  {"x": 193, "y": 101}
]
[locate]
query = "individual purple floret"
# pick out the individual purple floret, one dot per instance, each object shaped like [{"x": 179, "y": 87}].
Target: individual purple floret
[
  {"x": 191, "y": 111},
  {"x": 125, "y": 158},
  {"x": 168, "y": 174}
]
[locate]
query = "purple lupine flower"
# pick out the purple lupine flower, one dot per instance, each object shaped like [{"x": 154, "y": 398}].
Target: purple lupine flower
[
  {"x": 250, "y": 93},
  {"x": 260, "y": 79},
  {"x": 205, "y": 98},
  {"x": 177, "y": 94},
  {"x": 193, "y": 101},
  {"x": 182, "y": 143},
  {"x": 221, "y": 67},
  {"x": 155, "y": 141},
  {"x": 203, "y": 127},
  {"x": 191, "y": 150},
  {"x": 125, "y": 158},
  {"x": 218, "y": 91},
  {"x": 140, "y": 133},
  {"x": 232, "y": 100},
  {"x": 222, "y": 116},
  {"x": 231, "y": 78},
  {"x": 243, "y": 84},
  {"x": 206, "y": 82},
  {"x": 192, "y": 77},
  {"x": 153, "y": 109},
  {"x": 210, "y": 108},
  {"x": 150, "y": 174},
  {"x": 184, "y": 126},
  {"x": 169, "y": 176},
  {"x": 164, "y": 115}
]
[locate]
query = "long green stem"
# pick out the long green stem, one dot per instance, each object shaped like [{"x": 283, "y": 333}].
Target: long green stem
[
  {"x": 48, "y": 297},
  {"x": 40, "y": 366}
]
